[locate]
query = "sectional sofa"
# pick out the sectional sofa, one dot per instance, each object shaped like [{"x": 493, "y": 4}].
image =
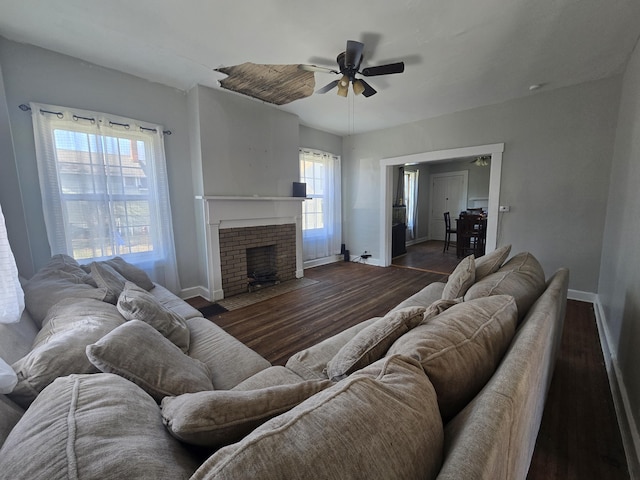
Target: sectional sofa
[{"x": 118, "y": 378}]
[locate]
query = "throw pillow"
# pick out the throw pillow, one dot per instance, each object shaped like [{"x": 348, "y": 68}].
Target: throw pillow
[
  {"x": 107, "y": 278},
  {"x": 97, "y": 426},
  {"x": 491, "y": 262},
  {"x": 135, "y": 303},
  {"x": 371, "y": 343},
  {"x": 130, "y": 272},
  {"x": 139, "y": 353},
  {"x": 381, "y": 422},
  {"x": 460, "y": 279},
  {"x": 521, "y": 277},
  {"x": 460, "y": 349},
  {"x": 214, "y": 419},
  {"x": 59, "y": 348}
]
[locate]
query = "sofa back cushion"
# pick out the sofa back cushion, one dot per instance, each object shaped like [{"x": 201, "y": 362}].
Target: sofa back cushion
[
  {"x": 460, "y": 349},
  {"x": 59, "y": 348},
  {"x": 61, "y": 278},
  {"x": 396, "y": 433},
  {"x": 522, "y": 277},
  {"x": 93, "y": 427}
]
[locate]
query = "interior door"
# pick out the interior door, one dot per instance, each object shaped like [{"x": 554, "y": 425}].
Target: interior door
[{"x": 448, "y": 194}]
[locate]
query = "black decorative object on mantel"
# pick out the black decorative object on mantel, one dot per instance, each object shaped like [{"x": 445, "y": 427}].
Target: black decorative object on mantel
[{"x": 299, "y": 189}]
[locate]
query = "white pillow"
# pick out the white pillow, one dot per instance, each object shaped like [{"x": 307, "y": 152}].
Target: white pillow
[{"x": 8, "y": 378}]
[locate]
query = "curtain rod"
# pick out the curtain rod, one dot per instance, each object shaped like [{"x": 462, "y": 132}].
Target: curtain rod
[{"x": 25, "y": 108}]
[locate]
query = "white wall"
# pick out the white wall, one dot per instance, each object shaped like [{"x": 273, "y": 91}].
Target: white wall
[
  {"x": 558, "y": 149},
  {"x": 35, "y": 74},
  {"x": 618, "y": 287}
]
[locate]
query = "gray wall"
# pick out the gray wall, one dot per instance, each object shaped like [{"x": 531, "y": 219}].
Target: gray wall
[
  {"x": 556, "y": 165},
  {"x": 35, "y": 74},
  {"x": 620, "y": 267},
  {"x": 247, "y": 147},
  {"x": 319, "y": 140}
]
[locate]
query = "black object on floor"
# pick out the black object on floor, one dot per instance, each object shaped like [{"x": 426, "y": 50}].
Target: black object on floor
[{"x": 213, "y": 309}]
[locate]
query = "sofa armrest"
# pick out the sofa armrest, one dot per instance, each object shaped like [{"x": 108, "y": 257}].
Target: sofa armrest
[
  {"x": 311, "y": 362},
  {"x": 495, "y": 435}
]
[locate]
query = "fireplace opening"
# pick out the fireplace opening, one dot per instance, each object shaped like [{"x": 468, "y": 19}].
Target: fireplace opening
[{"x": 262, "y": 267}]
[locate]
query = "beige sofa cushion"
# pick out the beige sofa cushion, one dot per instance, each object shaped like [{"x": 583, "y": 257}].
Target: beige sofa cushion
[
  {"x": 222, "y": 417},
  {"x": 461, "y": 348},
  {"x": 139, "y": 353},
  {"x": 491, "y": 262},
  {"x": 229, "y": 360},
  {"x": 396, "y": 433},
  {"x": 94, "y": 427},
  {"x": 311, "y": 363},
  {"x": 10, "y": 415},
  {"x": 371, "y": 343},
  {"x": 269, "y": 377},
  {"x": 424, "y": 297},
  {"x": 136, "y": 303},
  {"x": 460, "y": 279},
  {"x": 61, "y": 278},
  {"x": 59, "y": 348},
  {"x": 521, "y": 277}
]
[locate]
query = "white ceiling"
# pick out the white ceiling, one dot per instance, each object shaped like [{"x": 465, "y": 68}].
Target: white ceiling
[{"x": 459, "y": 54}]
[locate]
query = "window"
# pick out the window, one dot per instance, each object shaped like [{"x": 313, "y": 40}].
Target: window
[
  {"x": 321, "y": 212},
  {"x": 104, "y": 189}
]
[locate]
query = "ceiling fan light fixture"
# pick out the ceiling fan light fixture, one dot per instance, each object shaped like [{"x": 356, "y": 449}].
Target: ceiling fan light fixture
[
  {"x": 343, "y": 86},
  {"x": 358, "y": 87},
  {"x": 482, "y": 161}
]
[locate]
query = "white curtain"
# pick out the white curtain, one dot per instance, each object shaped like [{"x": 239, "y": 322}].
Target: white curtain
[
  {"x": 411, "y": 200},
  {"x": 322, "y": 211},
  {"x": 11, "y": 295},
  {"x": 104, "y": 187}
]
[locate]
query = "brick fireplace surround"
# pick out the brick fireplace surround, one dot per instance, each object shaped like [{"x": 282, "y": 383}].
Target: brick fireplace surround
[
  {"x": 234, "y": 243},
  {"x": 234, "y": 224}
]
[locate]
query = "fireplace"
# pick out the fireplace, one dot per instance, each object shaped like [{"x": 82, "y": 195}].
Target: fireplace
[{"x": 248, "y": 235}]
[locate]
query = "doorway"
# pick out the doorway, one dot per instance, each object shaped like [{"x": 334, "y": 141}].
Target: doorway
[{"x": 386, "y": 185}]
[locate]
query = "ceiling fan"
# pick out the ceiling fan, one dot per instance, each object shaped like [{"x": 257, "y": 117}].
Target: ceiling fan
[{"x": 349, "y": 63}]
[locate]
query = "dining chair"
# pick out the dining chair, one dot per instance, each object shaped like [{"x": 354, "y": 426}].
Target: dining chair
[{"x": 448, "y": 231}]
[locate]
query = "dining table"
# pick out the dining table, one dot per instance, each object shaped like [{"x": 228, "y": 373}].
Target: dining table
[{"x": 471, "y": 234}]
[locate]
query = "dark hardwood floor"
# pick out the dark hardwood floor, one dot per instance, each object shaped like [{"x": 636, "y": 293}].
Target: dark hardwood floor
[{"x": 579, "y": 436}]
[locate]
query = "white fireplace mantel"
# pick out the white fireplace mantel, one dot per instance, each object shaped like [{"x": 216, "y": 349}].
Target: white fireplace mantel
[{"x": 222, "y": 212}]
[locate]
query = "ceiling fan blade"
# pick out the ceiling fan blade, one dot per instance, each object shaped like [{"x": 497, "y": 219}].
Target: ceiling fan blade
[
  {"x": 397, "y": 67},
  {"x": 329, "y": 86},
  {"x": 368, "y": 89},
  {"x": 353, "y": 54},
  {"x": 316, "y": 68}
]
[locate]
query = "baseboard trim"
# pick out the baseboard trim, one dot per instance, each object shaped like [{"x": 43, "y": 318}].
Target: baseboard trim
[
  {"x": 323, "y": 261},
  {"x": 619, "y": 392},
  {"x": 191, "y": 292}
]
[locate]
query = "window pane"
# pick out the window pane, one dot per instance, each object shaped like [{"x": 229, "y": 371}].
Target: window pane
[{"x": 105, "y": 194}]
